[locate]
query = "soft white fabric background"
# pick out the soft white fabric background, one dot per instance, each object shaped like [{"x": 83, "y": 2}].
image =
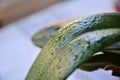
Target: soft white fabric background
[{"x": 17, "y": 52}]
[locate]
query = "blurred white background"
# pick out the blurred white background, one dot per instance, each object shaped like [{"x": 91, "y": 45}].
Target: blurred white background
[{"x": 17, "y": 52}]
